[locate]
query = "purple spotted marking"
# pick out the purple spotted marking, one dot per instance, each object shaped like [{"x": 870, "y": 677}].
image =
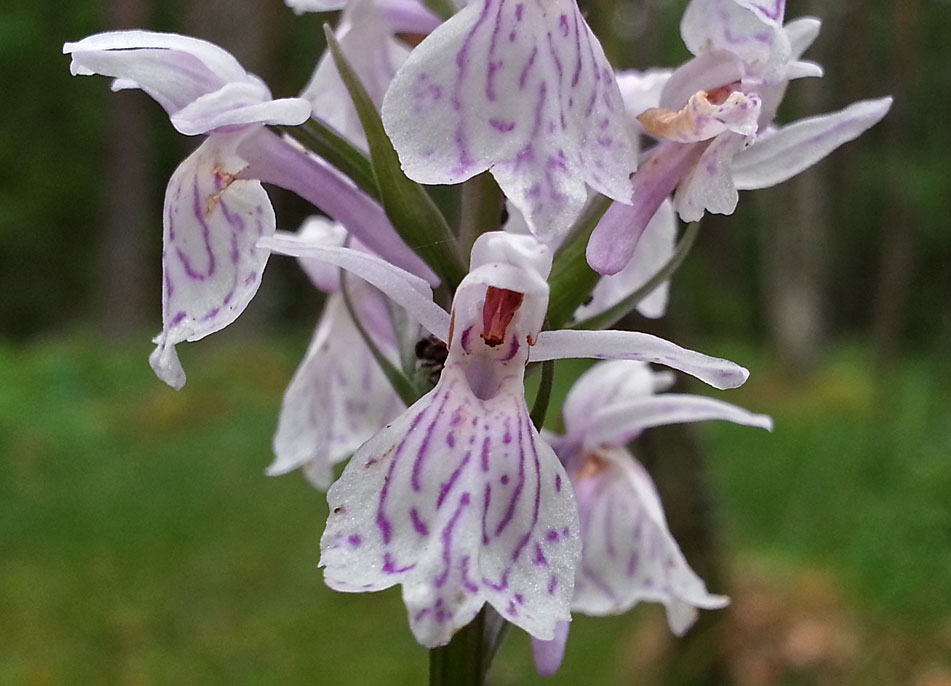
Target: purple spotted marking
[
  {"x": 445, "y": 487},
  {"x": 539, "y": 560},
  {"x": 389, "y": 565},
  {"x": 500, "y": 125},
  {"x": 419, "y": 526},
  {"x": 552, "y": 584},
  {"x": 354, "y": 540},
  {"x": 446, "y": 538},
  {"x": 558, "y": 483}
]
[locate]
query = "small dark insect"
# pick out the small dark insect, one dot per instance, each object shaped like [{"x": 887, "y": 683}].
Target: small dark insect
[{"x": 431, "y": 354}]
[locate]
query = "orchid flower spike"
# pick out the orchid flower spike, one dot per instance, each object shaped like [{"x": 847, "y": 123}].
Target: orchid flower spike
[
  {"x": 330, "y": 409},
  {"x": 520, "y": 89},
  {"x": 458, "y": 499},
  {"x": 215, "y": 207},
  {"x": 628, "y": 553},
  {"x": 713, "y": 119}
]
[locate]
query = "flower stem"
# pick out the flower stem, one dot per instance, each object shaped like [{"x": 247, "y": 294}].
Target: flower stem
[{"x": 461, "y": 662}]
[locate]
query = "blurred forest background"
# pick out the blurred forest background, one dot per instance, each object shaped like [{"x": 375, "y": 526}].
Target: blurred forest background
[{"x": 140, "y": 542}]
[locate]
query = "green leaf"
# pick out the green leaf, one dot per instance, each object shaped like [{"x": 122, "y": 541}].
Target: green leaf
[
  {"x": 443, "y": 8},
  {"x": 413, "y": 213},
  {"x": 613, "y": 314},
  {"x": 402, "y": 384},
  {"x": 338, "y": 151},
  {"x": 571, "y": 279}
]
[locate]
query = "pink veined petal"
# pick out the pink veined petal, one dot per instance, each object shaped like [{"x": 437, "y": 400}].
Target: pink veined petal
[
  {"x": 238, "y": 104},
  {"x": 523, "y": 90},
  {"x": 621, "y": 422},
  {"x": 798, "y": 146},
  {"x": 460, "y": 502},
  {"x": 629, "y": 555},
  {"x": 212, "y": 267},
  {"x": 708, "y": 186},
  {"x": 549, "y": 654},
  {"x": 406, "y": 290},
  {"x": 615, "y": 238},
  {"x": 770, "y": 11},
  {"x": 273, "y": 159},
  {"x": 748, "y": 30},
  {"x": 633, "y": 345},
  {"x": 653, "y": 251},
  {"x": 338, "y": 398}
]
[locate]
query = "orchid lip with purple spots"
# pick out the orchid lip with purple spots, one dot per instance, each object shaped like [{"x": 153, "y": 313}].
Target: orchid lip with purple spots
[{"x": 458, "y": 499}]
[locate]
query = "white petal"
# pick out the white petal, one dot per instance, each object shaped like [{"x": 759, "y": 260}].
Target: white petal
[
  {"x": 338, "y": 398},
  {"x": 302, "y": 6},
  {"x": 406, "y": 290},
  {"x": 460, "y": 502},
  {"x": 708, "y": 186},
  {"x": 211, "y": 266},
  {"x": 606, "y": 384},
  {"x": 654, "y": 249},
  {"x": 522, "y": 89},
  {"x": 706, "y": 72},
  {"x": 749, "y": 30},
  {"x": 621, "y": 422},
  {"x": 239, "y": 104},
  {"x": 798, "y": 146},
  {"x": 632, "y": 345},
  {"x": 629, "y": 555},
  {"x": 802, "y": 33},
  {"x": 320, "y": 230}
]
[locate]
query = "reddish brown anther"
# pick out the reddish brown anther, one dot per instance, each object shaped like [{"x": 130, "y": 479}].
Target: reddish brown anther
[{"x": 500, "y": 307}]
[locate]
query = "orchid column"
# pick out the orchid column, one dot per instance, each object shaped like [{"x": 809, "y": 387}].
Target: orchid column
[{"x": 416, "y": 373}]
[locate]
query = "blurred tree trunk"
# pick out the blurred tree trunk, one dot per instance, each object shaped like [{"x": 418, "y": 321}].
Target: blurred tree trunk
[
  {"x": 793, "y": 237},
  {"x": 123, "y": 295},
  {"x": 896, "y": 270}
]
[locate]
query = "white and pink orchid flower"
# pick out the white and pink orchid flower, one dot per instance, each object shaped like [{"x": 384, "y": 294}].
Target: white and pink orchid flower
[
  {"x": 331, "y": 408},
  {"x": 712, "y": 118},
  {"x": 215, "y": 207},
  {"x": 458, "y": 499},
  {"x": 523, "y": 90},
  {"x": 628, "y": 553}
]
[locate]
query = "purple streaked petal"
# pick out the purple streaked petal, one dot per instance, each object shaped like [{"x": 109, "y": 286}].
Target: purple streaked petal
[
  {"x": 632, "y": 345},
  {"x": 629, "y": 555},
  {"x": 621, "y": 422},
  {"x": 457, "y": 522},
  {"x": 746, "y": 30},
  {"x": 330, "y": 407},
  {"x": 615, "y": 238},
  {"x": 549, "y": 654},
  {"x": 211, "y": 265},
  {"x": 405, "y": 289},
  {"x": 522, "y": 89},
  {"x": 708, "y": 186},
  {"x": 794, "y": 148},
  {"x": 273, "y": 159},
  {"x": 653, "y": 251}
]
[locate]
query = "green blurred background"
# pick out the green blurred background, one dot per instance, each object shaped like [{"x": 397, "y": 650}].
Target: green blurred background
[{"x": 140, "y": 542}]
